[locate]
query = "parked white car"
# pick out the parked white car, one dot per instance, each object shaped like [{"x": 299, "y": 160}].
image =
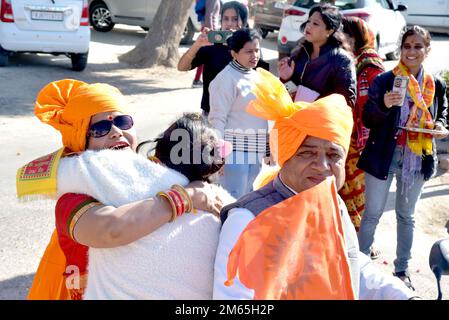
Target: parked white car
[
  {"x": 430, "y": 14},
  {"x": 45, "y": 26},
  {"x": 383, "y": 17},
  {"x": 104, "y": 14}
]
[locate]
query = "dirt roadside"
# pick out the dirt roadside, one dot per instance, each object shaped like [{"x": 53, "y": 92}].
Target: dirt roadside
[{"x": 156, "y": 96}]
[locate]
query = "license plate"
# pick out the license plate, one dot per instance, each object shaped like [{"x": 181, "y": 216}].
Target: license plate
[{"x": 47, "y": 15}]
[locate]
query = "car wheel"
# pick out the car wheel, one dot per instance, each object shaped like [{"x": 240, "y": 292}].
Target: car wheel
[
  {"x": 189, "y": 32},
  {"x": 395, "y": 55},
  {"x": 262, "y": 31},
  {"x": 79, "y": 61},
  {"x": 100, "y": 18},
  {"x": 4, "y": 57}
]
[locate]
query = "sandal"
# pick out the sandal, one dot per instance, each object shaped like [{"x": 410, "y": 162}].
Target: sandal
[
  {"x": 375, "y": 254},
  {"x": 405, "y": 277}
]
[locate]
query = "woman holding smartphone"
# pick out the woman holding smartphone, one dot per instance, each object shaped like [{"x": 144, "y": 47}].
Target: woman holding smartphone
[
  {"x": 392, "y": 152},
  {"x": 322, "y": 63}
]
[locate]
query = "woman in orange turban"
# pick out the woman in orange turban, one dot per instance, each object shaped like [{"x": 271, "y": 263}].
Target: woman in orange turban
[{"x": 89, "y": 116}]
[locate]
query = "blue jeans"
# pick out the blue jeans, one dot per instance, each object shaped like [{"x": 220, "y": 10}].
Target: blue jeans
[
  {"x": 376, "y": 193},
  {"x": 240, "y": 171}
]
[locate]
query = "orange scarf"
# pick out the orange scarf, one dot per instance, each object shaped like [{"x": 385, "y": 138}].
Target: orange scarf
[
  {"x": 295, "y": 249},
  {"x": 420, "y": 116}
]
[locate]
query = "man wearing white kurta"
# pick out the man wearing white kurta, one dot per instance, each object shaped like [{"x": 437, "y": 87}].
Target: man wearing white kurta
[{"x": 312, "y": 145}]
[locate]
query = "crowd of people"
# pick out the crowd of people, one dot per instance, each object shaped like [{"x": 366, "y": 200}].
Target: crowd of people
[{"x": 196, "y": 217}]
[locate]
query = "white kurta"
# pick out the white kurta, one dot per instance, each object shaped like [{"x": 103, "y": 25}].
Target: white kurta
[
  {"x": 173, "y": 262},
  {"x": 374, "y": 284}
]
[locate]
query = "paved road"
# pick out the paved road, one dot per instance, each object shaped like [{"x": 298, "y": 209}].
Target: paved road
[{"x": 156, "y": 97}]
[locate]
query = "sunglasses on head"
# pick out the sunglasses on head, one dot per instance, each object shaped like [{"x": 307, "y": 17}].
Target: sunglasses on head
[{"x": 101, "y": 128}]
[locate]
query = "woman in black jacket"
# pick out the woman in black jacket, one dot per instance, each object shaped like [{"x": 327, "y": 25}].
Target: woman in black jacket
[
  {"x": 322, "y": 61},
  {"x": 407, "y": 155}
]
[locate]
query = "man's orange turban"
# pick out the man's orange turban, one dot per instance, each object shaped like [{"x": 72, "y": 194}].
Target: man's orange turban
[
  {"x": 68, "y": 105},
  {"x": 328, "y": 118}
]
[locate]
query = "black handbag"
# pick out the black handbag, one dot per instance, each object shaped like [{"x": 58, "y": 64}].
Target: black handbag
[{"x": 429, "y": 165}]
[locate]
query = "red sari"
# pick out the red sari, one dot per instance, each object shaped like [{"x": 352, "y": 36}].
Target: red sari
[
  {"x": 62, "y": 272},
  {"x": 353, "y": 191}
]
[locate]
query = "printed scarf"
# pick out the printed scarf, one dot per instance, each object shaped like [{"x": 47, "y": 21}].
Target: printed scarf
[
  {"x": 420, "y": 117},
  {"x": 38, "y": 178}
]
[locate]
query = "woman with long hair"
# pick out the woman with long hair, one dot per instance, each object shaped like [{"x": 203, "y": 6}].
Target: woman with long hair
[{"x": 322, "y": 62}]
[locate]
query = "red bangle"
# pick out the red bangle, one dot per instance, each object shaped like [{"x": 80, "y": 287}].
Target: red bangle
[
  {"x": 180, "y": 199},
  {"x": 185, "y": 196},
  {"x": 178, "y": 202}
]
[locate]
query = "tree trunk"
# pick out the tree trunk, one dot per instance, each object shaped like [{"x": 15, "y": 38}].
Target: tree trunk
[{"x": 160, "y": 46}]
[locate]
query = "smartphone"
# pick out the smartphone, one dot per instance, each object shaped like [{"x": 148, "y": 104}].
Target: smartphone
[
  {"x": 400, "y": 85},
  {"x": 218, "y": 36},
  {"x": 291, "y": 87}
]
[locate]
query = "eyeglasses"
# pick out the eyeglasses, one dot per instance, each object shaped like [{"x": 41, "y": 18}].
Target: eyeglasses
[{"x": 101, "y": 128}]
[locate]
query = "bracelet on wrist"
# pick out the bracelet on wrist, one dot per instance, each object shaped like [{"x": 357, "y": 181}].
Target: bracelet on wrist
[
  {"x": 188, "y": 203},
  {"x": 180, "y": 208},
  {"x": 164, "y": 195}
]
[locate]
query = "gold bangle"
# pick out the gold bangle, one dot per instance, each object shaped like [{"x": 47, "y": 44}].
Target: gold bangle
[
  {"x": 188, "y": 203},
  {"x": 162, "y": 194}
]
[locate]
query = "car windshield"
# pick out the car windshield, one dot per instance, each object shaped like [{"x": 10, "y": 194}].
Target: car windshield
[{"x": 343, "y": 5}]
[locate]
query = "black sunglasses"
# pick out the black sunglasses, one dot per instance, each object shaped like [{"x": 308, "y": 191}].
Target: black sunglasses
[{"x": 101, "y": 128}]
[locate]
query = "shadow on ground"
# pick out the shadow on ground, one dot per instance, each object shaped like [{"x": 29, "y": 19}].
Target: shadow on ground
[
  {"x": 16, "y": 288},
  {"x": 128, "y": 37},
  {"x": 31, "y": 67}
]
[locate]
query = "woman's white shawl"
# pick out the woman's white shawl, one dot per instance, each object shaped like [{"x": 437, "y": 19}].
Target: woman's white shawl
[{"x": 174, "y": 262}]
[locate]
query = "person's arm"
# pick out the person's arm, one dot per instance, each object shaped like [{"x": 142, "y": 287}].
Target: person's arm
[
  {"x": 234, "y": 225},
  {"x": 345, "y": 82},
  {"x": 212, "y": 14},
  {"x": 442, "y": 112},
  {"x": 375, "y": 111},
  {"x": 376, "y": 285},
  {"x": 442, "y": 109},
  {"x": 286, "y": 69},
  {"x": 106, "y": 226},
  {"x": 222, "y": 94},
  {"x": 185, "y": 63}
]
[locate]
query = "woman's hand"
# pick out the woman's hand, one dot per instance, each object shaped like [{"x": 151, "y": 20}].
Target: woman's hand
[
  {"x": 286, "y": 68},
  {"x": 205, "y": 197},
  {"x": 439, "y": 127},
  {"x": 202, "y": 40},
  {"x": 392, "y": 99}
]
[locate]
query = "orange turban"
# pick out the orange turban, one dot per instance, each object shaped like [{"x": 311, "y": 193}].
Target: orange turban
[
  {"x": 328, "y": 118},
  {"x": 68, "y": 105}
]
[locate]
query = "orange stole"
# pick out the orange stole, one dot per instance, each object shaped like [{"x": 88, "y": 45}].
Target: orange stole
[
  {"x": 295, "y": 249},
  {"x": 49, "y": 281}
]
